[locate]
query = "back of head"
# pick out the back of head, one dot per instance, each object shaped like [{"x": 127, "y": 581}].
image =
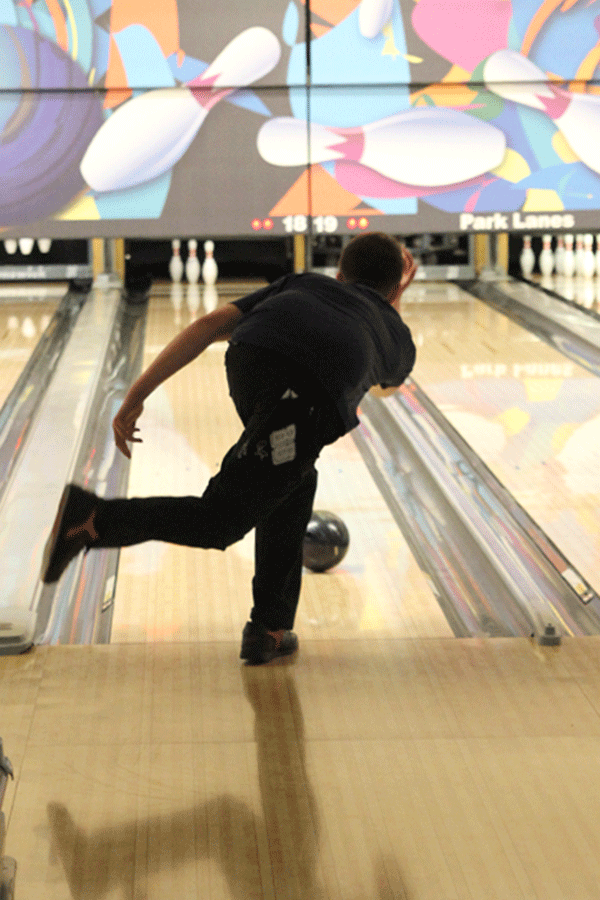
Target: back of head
[{"x": 374, "y": 259}]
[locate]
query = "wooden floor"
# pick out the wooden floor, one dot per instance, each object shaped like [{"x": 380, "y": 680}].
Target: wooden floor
[{"x": 436, "y": 769}]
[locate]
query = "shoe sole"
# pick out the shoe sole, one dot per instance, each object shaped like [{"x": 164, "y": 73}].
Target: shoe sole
[
  {"x": 253, "y": 661},
  {"x": 50, "y": 547}
]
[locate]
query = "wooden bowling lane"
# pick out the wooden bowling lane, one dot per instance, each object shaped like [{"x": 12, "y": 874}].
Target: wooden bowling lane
[
  {"x": 25, "y": 312},
  {"x": 436, "y": 769},
  {"x": 169, "y": 593},
  {"x": 531, "y": 414}
]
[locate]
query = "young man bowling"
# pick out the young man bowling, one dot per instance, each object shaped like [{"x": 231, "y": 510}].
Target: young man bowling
[{"x": 302, "y": 353}]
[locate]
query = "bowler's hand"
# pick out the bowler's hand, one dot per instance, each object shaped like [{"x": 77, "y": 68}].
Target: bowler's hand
[
  {"x": 410, "y": 269},
  {"x": 124, "y": 427},
  {"x": 408, "y": 273}
]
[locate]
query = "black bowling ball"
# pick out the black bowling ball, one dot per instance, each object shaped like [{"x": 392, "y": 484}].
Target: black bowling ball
[{"x": 326, "y": 541}]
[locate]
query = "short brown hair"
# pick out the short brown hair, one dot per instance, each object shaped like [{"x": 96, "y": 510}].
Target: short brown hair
[{"x": 374, "y": 259}]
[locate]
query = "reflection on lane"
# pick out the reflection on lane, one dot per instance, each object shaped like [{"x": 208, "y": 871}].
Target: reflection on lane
[
  {"x": 531, "y": 415},
  {"x": 22, "y": 322}
]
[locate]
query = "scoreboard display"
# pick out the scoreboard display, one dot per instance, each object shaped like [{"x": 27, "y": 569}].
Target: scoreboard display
[{"x": 279, "y": 117}]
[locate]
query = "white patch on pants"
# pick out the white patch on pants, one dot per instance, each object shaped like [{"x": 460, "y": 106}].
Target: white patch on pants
[{"x": 283, "y": 445}]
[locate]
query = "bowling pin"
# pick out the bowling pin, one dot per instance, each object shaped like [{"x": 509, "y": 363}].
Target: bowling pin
[
  {"x": 192, "y": 266},
  {"x": 560, "y": 255},
  {"x": 421, "y": 147},
  {"x": 11, "y": 246},
  {"x": 176, "y": 262},
  {"x": 527, "y": 258},
  {"x": 579, "y": 254},
  {"x": 598, "y": 254},
  {"x": 44, "y": 245},
  {"x": 148, "y": 134},
  {"x": 209, "y": 266},
  {"x": 26, "y": 245},
  {"x": 372, "y": 16},
  {"x": 589, "y": 260},
  {"x": 512, "y": 76},
  {"x": 546, "y": 256},
  {"x": 569, "y": 257}
]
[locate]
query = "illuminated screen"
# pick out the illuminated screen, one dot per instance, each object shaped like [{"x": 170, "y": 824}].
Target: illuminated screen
[{"x": 145, "y": 119}]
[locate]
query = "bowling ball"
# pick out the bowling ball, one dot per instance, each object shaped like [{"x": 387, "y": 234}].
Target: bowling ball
[{"x": 326, "y": 541}]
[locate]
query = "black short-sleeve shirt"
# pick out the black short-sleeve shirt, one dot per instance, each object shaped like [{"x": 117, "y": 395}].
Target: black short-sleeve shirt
[{"x": 346, "y": 335}]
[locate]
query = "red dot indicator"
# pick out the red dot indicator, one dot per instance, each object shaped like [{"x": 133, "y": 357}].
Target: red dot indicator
[
  {"x": 256, "y": 224},
  {"x": 351, "y": 223},
  {"x": 268, "y": 224},
  {"x": 363, "y": 222}
]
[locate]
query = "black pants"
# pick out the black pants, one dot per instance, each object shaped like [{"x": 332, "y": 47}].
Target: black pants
[{"x": 267, "y": 481}]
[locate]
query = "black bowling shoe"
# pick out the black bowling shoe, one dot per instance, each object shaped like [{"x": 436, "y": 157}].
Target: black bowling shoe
[
  {"x": 258, "y": 646},
  {"x": 73, "y": 530}
]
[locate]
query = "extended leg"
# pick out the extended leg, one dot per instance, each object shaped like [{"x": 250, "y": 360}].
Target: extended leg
[{"x": 256, "y": 475}]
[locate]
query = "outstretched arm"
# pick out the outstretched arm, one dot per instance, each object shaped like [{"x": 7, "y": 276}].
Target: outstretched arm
[{"x": 216, "y": 326}]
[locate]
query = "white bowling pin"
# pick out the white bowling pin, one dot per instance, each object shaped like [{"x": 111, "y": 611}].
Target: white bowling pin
[
  {"x": 148, "y": 134},
  {"x": 511, "y": 75},
  {"x": 579, "y": 254},
  {"x": 421, "y": 147},
  {"x": 192, "y": 266},
  {"x": 527, "y": 258},
  {"x": 546, "y": 256},
  {"x": 210, "y": 270},
  {"x": 176, "y": 262},
  {"x": 560, "y": 255},
  {"x": 589, "y": 260},
  {"x": 569, "y": 257},
  {"x": 11, "y": 246},
  {"x": 372, "y": 16},
  {"x": 44, "y": 245},
  {"x": 26, "y": 245}
]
